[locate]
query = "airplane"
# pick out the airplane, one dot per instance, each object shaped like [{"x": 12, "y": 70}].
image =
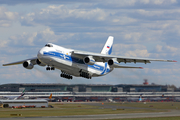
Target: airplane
[
  {"x": 134, "y": 99},
  {"x": 15, "y": 97},
  {"x": 48, "y": 99},
  {"x": 81, "y": 63},
  {"x": 110, "y": 100}
]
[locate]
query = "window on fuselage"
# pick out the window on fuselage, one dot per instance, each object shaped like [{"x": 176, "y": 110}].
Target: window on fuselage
[{"x": 48, "y": 45}]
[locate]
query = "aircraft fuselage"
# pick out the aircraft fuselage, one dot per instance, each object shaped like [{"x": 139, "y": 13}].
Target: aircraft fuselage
[{"x": 61, "y": 58}]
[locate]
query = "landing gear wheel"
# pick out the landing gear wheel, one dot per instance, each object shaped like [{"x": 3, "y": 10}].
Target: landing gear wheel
[
  {"x": 47, "y": 68},
  {"x": 85, "y": 75},
  {"x": 67, "y": 76},
  {"x": 52, "y": 68}
]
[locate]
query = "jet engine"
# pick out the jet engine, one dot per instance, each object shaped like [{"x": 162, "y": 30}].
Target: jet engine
[
  {"x": 28, "y": 64},
  {"x": 89, "y": 60},
  {"x": 40, "y": 63},
  {"x": 112, "y": 61}
]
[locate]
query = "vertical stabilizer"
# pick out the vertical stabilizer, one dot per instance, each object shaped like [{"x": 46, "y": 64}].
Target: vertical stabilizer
[
  {"x": 107, "y": 49},
  {"x": 50, "y": 96},
  {"x": 22, "y": 94}
]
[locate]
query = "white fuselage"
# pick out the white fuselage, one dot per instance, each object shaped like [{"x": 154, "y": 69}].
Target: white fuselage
[{"x": 61, "y": 58}]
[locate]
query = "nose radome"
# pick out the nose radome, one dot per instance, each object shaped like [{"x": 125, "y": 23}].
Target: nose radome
[{"x": 40, "y": 53}]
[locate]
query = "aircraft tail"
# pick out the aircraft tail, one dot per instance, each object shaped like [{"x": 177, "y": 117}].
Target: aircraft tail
[
  {"x": 50, "y": 96},
  {"x": 107, "y": 49},
  {"x": 140, "y": 98},
  {"x": 22, "y": 94}
]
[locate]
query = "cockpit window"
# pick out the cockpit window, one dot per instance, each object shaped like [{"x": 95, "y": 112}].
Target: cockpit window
[{"x": 48, "y": 45}]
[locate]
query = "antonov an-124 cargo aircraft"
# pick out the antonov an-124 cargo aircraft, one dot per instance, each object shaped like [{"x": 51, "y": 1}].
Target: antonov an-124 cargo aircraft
[{"x": 80, "y": 63}]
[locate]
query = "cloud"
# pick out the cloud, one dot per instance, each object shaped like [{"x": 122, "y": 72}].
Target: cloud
[
  {"x": 137, "y": 53},
  {"x": 133, "y": 36},
  {"x": 159, "y": 48},
  {"x": 7, "y": 17},
  {"x": 166, "y": 71},
  {"x": 141, "y": 28},
  {"x": 166, "y": 50},
  {"x": 3, "y": 43},
  {"x": 58, "y": 15},
  {"x": 140, "y": 25},
  {"x": 27, "y": 2},
  {"x": 36, "y": 38},
  {"x": 133, "y": 50},
  {"x": 116, "y": 3},
  {"x": 65, "y": 18}
]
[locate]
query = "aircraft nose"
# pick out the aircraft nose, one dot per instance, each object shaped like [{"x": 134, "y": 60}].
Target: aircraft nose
[{"x": 40, "y": 53}]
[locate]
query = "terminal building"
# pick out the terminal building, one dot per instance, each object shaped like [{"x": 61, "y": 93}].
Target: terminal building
[
  {"x": 91, "y": 92},
  {"x": 83, "y": 88}
]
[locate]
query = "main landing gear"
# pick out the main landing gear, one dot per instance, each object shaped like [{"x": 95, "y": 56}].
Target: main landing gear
[
  {"x": 50, "y": 68},
  {"x": 65, "y": 75},
  {"x": 85, "y": 75}
]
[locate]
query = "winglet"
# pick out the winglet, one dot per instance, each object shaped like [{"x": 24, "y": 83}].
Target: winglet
[
  {"x": 174, "y": 61},
  {"x": 141, "y": 67}
]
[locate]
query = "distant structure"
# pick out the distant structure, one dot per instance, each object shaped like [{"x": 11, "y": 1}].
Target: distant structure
[
  {"x": 146, "y": 82},
  {"x": 34, "y": 87}
]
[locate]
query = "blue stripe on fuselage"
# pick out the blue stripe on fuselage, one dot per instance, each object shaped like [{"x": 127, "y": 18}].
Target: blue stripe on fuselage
[
  {"x": 76, "y": 60},
  {"x": 104, "y": 69}
]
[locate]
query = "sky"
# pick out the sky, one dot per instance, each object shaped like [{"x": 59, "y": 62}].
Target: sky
[{"x": 141, "y": 28}]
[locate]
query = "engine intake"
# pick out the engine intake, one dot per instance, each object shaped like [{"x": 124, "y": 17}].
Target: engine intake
[
  {"x": 89, "y": 60},
  {"x": 28, "y": 65},
  {"x": 112, "y": 61},
  {"x": 40, "y": 63}
]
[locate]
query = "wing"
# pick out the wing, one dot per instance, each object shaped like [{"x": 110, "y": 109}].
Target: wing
[
  {"x": 32, "y": 60},
  {"x": 104, "y": 58}
]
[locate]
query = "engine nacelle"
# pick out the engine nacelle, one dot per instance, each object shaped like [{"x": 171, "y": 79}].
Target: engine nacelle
[
  {"x": 89, "y": 60},
  {"x": 40, "y": 63},
  {"x": 28, "y": 65},
  {"x": 112, "y": 61}
]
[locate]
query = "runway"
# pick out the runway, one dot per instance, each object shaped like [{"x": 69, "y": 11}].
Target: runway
[{"x": 105, "y": 116}]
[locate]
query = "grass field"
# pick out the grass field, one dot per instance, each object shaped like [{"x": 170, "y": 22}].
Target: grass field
[
  {"x": 82, "y": 109},
  {"x": 155, "y": 105},
  {"x": 156, "y": 118}
]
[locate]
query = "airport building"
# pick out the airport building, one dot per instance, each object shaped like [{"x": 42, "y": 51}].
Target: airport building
[
  {"x": 89, "y": 92},
  {"x": 83, "y": 88}
]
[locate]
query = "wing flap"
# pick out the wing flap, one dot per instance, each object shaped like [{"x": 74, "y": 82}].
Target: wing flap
[
  {"x": 119, "y": 66},
  {"x": 135, "y": 60},
  {"x": 33, "y": 61}
]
